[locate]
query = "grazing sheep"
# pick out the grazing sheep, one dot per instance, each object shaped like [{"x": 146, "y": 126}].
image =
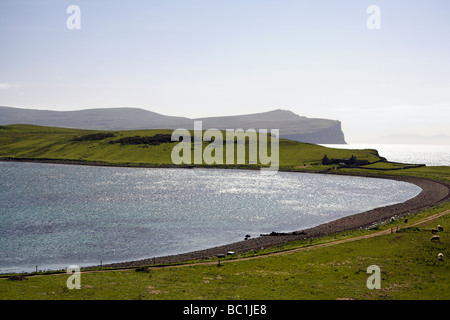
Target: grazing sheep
[
  {"x": 434, "y": 230},
  {"x": 435, "y": 238},
  {"x": 440, "y": 256},
  {"x": 440, "y": 228},
  {"x": 392, "y": 219}
]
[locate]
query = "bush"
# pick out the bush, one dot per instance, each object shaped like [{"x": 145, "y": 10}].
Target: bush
[
  {"x": 143, "y": 269},
  {"x": 94, "y": 137},
  {"x": 150, "y": 140}
]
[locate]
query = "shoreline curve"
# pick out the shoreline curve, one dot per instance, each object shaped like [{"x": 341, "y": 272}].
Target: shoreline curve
[{"x": 433, "y": 193}]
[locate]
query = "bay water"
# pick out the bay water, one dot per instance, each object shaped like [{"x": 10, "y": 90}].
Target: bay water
[{"x": 54, "y": 215}]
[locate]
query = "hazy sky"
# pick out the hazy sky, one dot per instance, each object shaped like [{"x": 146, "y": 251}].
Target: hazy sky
[{"x": 198, "y": 58}]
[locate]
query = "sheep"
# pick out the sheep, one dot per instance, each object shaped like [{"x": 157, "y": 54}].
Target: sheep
[
  {"x": 436, "y": 238},
  {"x": 434, "y": 230},
  {"x": 440, "y": 228},
  {"x": 406, "y": 220},
  {"x": 392, "y": 219},
  {"x": 440, "y": 256}
]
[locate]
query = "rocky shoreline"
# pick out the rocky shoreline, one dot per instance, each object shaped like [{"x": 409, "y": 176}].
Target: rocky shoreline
[{"x": 432, "y": 194}]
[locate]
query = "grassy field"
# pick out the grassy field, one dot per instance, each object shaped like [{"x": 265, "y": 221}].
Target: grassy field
[
  {"x": 36, "y": 142},
  {"x": 408, "y": 259}
]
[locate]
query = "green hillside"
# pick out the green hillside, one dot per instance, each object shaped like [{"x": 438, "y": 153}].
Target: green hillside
[{"x": 39, "y": 142}]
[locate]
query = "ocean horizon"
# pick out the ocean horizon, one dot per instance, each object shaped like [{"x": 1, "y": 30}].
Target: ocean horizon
[{"x": 430, "y": 155}]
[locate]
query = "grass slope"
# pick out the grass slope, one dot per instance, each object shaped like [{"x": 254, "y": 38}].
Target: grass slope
[{"x": 37, "y": 142}]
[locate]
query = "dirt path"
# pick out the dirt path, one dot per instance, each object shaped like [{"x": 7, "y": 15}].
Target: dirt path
[
  {"x": 367, "y": 236},
  {"x": 333, "y": 243},
  {"x": 311, "y": 247}
]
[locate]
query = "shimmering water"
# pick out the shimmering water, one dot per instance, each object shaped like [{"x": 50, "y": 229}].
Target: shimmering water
[
  {"x": 54, "y": 215},
  {"x": 431, "y": 155}
]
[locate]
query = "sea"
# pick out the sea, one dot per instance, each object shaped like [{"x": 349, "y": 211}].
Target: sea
[
  {"x": 430, "y": 155},
  {"x": 54, "y": 215}
]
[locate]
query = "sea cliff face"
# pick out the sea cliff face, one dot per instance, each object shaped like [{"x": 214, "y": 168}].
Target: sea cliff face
[
  {"x": 330, "y": 135},
  {"x": 291, "y": 126}
]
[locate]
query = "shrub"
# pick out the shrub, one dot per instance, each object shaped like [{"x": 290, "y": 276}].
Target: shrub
[
  {"x": 149, "y": 140},
  {"x": 94, "y": 137}
]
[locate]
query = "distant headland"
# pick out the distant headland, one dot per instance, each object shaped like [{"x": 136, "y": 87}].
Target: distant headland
[{"x": 291, "y": 125}]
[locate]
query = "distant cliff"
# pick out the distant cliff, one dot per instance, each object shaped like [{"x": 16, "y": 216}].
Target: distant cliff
[
  {"x": 332, "y": 134},
  {"x": 291, "y": 125}
]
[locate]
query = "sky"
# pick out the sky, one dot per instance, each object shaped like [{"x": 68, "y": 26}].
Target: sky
[{"x": 200, "y": 58}]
